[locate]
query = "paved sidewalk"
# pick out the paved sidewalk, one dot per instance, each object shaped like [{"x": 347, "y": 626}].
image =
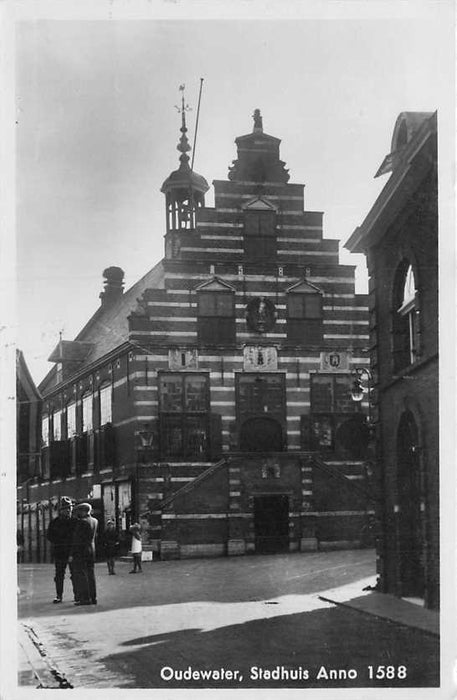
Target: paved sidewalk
[{"x": 383, "y": 605}]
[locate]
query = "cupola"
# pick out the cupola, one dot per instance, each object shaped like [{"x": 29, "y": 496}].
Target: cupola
[{"x": 184, "y": 189}]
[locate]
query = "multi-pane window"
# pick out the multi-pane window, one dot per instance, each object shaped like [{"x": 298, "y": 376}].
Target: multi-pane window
[
  {"x": 45, "y": 431},
  {"x": 405, "y": 326},
  {"x": 183, "y": 405},
  {"x": 260, "y": 234},
  {"x": 71, "y": 420},
  {"x": 331, "y": 393},
  {"x": 331, "y": 402},
  {"x": 57, "y": 425},
  {"x": 106, "y": 415},
  {"x": 304, "y": 318},
  {"x": 87, "y": 414},
  {"x": 216, "y": 318},
  {"x": 260, "y": 393}
]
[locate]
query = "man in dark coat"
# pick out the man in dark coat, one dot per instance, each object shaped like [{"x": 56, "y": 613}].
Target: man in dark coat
[
  {"x": 82, "y": 555},
  {"x": 60, "y": 534}
]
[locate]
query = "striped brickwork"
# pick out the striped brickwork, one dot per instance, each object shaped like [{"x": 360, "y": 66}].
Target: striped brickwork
[{"x": 186, "y": 507}]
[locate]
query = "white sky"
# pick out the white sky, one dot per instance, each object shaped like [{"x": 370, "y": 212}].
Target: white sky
[{"x": 97, "y": 133}]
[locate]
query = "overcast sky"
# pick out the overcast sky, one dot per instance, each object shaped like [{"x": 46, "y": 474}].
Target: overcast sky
[{"x": 97, "y": 134}]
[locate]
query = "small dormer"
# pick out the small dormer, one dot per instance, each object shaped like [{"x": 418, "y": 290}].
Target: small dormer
[{"x": 69, "y": 355}]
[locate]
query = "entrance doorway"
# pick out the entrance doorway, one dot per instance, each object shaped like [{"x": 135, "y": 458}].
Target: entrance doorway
[
  {"x": 271, "y": 523},
  {"x": 261, "y": 435},
  {"x": 410, "y": 545}
]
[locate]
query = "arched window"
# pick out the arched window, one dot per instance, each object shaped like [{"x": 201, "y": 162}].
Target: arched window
[{"x": 405, "y": 317}]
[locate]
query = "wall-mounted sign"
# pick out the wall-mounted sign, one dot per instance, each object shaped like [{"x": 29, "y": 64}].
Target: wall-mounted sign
[
  {"x": 335, "y": 361},
  {"x": 260, "y": 357},
  {"x": 182, "y": 359}
]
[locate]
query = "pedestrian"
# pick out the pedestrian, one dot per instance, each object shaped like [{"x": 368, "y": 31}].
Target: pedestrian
[
  {"x": 82, "y": 555},
  {"x": 110, "y": 544},
  {"x": 136, "y": 548},
  {"x": 60, "y": 535}
]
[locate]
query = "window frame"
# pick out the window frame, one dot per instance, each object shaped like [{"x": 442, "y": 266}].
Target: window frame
[
  {"x": 305, "y": 327},
  {"x": 105, "y": 406},
  {"x": 71, "y": 423},
  {"x": 332, "y": 415},
  {"x": 216, "y": 328},
  {"x": 57, "y": 425},
  {"x": 45, "y": 432},
  {"x": 185, "y": 421},
  {"x": 87, "y": 401}
]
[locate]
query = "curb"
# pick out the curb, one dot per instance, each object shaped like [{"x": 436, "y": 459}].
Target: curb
[{"x": 430, "y": 626}]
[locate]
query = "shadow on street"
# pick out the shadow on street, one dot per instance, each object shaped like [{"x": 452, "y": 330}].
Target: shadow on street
[{"x": 306, "y": 640}]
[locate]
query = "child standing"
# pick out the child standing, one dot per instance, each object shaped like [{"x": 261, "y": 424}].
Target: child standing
[
  {"x": 136, "y": 548},
  {"x": 110, "y": 543}
]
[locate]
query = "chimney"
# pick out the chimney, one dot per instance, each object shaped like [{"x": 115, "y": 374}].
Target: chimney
[{"x": 113, "y": 285}]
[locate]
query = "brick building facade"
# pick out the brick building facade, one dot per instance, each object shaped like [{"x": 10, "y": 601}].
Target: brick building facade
[
  {"x": 212, "y": 400},
  {"x": 400, "y": 239}
]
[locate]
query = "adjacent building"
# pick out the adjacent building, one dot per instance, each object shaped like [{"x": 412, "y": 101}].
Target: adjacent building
[
  {"x": 400, "y": 240},
  {"x": 212, "y": 400},
  {"x": 28, "y": 455}
]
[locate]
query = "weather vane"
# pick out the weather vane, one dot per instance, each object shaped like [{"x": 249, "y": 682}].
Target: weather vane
[{"x": 184, "y": 107}]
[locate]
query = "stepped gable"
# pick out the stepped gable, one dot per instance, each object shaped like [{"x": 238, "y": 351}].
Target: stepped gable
[{"x": 258, "y": 157}]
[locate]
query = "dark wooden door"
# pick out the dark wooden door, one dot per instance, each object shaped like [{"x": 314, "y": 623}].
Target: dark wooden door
[{"x": 271, "y": 523}]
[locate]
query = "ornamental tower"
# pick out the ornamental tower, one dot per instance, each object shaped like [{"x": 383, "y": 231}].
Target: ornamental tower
[{"x": 184, "y": 191}]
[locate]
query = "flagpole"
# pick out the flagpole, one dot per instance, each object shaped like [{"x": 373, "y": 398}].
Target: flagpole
[{"x": 196, "y": 124}]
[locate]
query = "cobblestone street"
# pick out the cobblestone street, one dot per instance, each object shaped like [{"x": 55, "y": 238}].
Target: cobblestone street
[{"x": 229, "y": 613}]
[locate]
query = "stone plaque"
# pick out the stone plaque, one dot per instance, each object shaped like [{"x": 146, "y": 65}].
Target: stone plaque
[
  {"x": 260, "y": 357},
  {"x": 335, "y": 361},
  {"x": 182, "y": 359}
]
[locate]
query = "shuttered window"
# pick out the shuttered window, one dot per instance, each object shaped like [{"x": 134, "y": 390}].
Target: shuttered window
[
  {"x": 304, "y": 318},
  {"x": 216, "y": 318}
]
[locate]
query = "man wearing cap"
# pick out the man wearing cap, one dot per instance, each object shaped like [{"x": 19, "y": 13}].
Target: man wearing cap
[
  {"x": 60, "y": 534},
  {"x": 82, "y": 554}
]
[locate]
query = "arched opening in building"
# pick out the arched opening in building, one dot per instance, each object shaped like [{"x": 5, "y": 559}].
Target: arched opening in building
[
  {"x": 261, "y": 434},
  {"x": 410, "y": 544},
  {"x": 352, "y": 436}
]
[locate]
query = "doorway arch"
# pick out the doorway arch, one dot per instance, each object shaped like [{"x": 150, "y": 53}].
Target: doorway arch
[
  {"x": 410, "y": 544},
  {"x": 261, "y": 434}
]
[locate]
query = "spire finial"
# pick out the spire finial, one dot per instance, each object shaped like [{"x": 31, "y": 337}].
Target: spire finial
[
  {"x": 258, "y": 126},
  {"x": 183, "y": 145}
]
